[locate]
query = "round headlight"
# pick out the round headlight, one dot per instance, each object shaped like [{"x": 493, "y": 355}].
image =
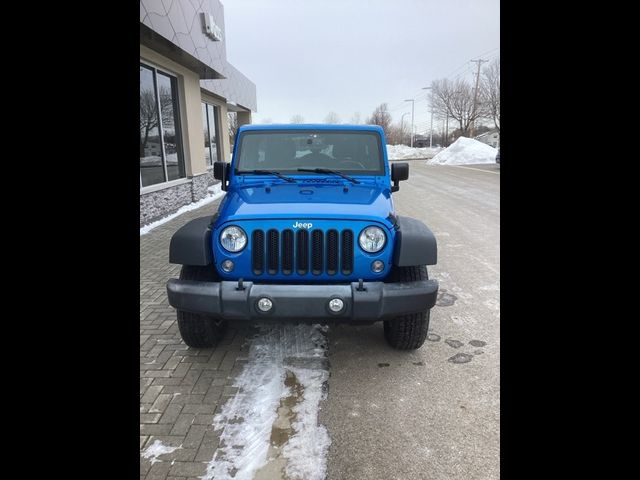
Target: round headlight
[
  {"x": 233, "y": 239},
  {"x": 372, "y": 239}
]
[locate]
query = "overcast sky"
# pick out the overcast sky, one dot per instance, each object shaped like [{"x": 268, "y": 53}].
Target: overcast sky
[{"x": 310, "y": 57}]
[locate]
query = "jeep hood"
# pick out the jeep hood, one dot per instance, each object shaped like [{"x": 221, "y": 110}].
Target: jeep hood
[{"x": 305, "y": 201}]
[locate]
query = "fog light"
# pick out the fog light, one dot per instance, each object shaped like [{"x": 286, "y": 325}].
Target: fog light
[
  {"x": 227, "y": 265},
  {"x": 264, "y": 304},
  {"x": 377, "y": 266},
  {"x": 335, "y": 305}
]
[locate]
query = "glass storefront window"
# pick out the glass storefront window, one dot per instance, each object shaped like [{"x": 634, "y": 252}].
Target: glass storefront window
[
  {"x": 207, "y": 139},
  {"x": 161, "y": 153},
  {"x": 210, "y": 119}
]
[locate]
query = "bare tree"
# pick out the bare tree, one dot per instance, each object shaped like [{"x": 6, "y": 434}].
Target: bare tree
[
  {"x": 395, "y": 135},
  {"x": 297, "y": 118},
  {"x": 455, "y": 100},
  {"x": 355, "y": 118},
  {"x": 149, "y": 119},
  {"x": 332, "y": 117},
  {"x": 382, "y": 117},
  {"x": 490, "y": 92}
]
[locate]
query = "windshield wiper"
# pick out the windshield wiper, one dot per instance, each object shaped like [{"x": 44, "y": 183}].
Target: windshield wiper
[
  {"x": 326, "y": 170},
  {"x": 265, "y": 172}
]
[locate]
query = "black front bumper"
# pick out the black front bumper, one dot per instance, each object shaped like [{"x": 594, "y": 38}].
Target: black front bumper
[{"x": 369, "y": 301}]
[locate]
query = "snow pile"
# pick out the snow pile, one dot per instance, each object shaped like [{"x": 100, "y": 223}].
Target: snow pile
[
  {"x": 247, "y": 420},
  {"x": 401, "y": 152},
  {"x": 465, "y": 151},
  {"x": 215, "y": 193},
  {"x": 156, "y": 450}
]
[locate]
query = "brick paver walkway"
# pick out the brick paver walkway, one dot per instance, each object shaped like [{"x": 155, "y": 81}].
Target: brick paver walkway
[{"x": 180, "y": 387}]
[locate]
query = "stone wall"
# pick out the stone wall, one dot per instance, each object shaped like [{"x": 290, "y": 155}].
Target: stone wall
[
  {"x": 199, "y": 186},
  {"x": 158, "y": 204}
]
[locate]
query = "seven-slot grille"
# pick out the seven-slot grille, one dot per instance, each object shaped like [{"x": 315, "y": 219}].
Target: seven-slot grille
[{"x": 302, "y": 252}]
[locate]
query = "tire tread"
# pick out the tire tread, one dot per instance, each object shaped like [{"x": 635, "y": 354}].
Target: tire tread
[
  {"x": 197, "y": 330},
  {"x": 407, "y": 332}
]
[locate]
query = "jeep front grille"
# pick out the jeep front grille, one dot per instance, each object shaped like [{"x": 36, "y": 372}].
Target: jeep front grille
[
  {"x": 257, "y": 252},
  {"x": 272, "y": 252},
  {"x": 347, "y": 252},
  {"x": 304, "y": 253},
  {"x": 287, "y": 252},
  {"x": 317, "y": 252}
]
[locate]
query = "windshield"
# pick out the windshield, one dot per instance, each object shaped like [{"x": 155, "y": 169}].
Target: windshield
[{"x": 358, "y": 153}]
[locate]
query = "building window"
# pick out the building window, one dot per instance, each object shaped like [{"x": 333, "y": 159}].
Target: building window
[
  {"x": 161, "y": 155},
  {"x": 210, "y": 122}
]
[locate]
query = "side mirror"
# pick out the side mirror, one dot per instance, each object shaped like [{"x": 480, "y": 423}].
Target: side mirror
[
  {"x": 399, "y": 171},
  {"x": 221, "y": 172}
]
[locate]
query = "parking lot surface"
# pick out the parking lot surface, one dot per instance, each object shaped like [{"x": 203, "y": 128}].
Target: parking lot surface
[{"x": 432, "y": 413}]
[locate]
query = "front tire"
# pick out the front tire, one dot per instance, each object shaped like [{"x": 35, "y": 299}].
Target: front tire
[
  {"x": 197, "y": 330},
  {"x": 408, "y": 332}
]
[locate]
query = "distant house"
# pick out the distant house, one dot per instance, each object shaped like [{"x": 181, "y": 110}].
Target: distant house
[{"x": 491, "y": 138}]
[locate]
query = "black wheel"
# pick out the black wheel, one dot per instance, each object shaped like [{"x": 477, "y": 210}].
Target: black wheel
[
  {"x": 197, "y": 330},
  {"x": 407, "y": 332}
]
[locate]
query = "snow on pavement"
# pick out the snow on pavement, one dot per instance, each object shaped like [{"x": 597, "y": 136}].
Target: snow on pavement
[
  {"x": 271, "y": 424},
  {"x": 401, "y": 152},
  {"x": 157, "y": 449},
  {"x": 217, "y": 193},
  {"x": 465, "y": 151}
]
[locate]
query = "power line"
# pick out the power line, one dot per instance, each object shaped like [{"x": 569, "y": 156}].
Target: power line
[
  {"x": 466, "y": 64},
  {"x": 488, "y": 51},
  {"x": 466, "y": 69}
]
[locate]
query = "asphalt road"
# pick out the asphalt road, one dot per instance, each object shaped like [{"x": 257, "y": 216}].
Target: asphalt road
[{"x": 432, "y": 413}]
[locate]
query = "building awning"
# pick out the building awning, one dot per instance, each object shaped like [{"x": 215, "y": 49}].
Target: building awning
[
  {"x": 234, "y": 107},
  {"x": 160, "y": 44}
]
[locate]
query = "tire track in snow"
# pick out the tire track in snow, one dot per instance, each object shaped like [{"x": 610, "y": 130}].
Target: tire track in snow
[{"x": 271, "y": 424}]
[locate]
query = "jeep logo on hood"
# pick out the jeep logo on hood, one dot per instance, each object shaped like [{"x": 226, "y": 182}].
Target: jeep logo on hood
[{"x": 303, "y": 225}]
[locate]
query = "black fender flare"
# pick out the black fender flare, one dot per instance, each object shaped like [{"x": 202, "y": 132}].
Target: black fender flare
[
  {"x": 191, "y": 244},
  {"x": 415, "y": 244}
]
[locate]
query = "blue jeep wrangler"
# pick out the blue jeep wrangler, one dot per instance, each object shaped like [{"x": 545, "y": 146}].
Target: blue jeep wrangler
[{"x": 307, "y": 232}]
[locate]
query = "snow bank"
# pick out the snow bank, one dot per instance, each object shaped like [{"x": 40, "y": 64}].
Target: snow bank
[
  {"x": 465, "y": 151},
  {"x": 214, "y": 194},
  {"x": 247, "y": 419},
  {"x": 401, "y": 152}
]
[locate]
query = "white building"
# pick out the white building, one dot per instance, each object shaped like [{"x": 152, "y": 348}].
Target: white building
[{"x": 491, "y": 138}]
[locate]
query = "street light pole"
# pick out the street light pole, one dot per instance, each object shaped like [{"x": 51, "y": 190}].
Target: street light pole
[
  {"x": 431, "y": 127},
  {"x": 431, "y": 132},
  {"x": 413, "y": 102},
  {"x": 402, "y": 126}
]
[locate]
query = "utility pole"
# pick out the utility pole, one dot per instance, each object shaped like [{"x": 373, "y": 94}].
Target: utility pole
[
  {"x": 431, "y": 127},
  {"x": 413, "y": 102},
  {"x": 446, "y": 132},
  {"x": 475, "y": 94}
]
